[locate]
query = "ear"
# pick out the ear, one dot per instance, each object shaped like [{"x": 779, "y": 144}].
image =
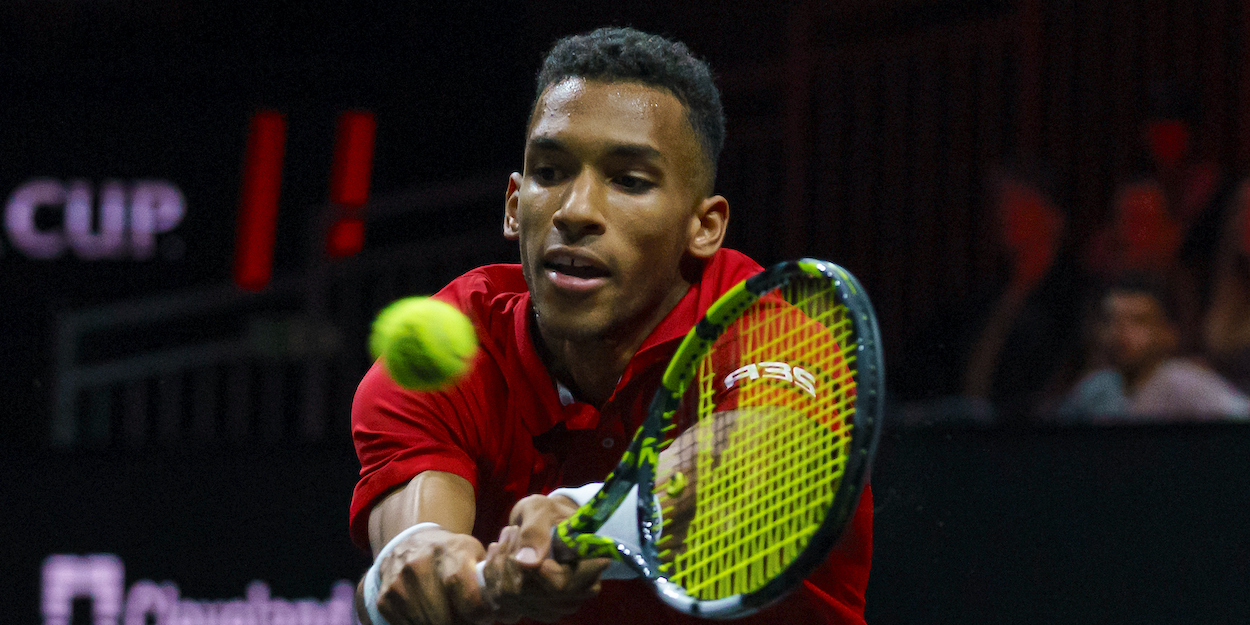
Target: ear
[
  {"x": 512, "y": 227},
  {"x": 707, "y": 227}
]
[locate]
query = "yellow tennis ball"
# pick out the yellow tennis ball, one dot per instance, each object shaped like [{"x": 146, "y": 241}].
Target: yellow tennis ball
[{"x": 425, "y": 344}]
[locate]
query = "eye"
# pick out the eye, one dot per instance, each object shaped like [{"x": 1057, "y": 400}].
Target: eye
[
  {"x": 546, "y": 174},
  {"x": 632, "y": 183}
]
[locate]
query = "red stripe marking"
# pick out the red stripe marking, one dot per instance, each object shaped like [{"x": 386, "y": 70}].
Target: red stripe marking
[
  {"x": 349, "y": 181},
  {"x": 258, "y": 200}
]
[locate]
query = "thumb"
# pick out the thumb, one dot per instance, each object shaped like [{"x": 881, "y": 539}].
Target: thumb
[
  {"x": 533, "y": 541},
  {"x": 534, "y": 517},
  {"x": 532, "y": 551}
]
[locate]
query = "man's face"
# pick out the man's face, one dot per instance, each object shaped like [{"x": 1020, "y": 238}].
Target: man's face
[
  {"x": 607, "y": 206},
  {"x": 1135, "y": 330}
]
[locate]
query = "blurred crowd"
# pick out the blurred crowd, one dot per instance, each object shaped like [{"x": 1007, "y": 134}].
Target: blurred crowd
[{"x": 1145, "y": 318}]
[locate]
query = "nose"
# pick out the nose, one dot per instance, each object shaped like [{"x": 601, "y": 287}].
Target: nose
[{"x": 581, "y": 208}]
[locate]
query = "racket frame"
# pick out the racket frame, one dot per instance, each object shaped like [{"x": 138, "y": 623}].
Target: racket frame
[{"x": 637, "y": 465}]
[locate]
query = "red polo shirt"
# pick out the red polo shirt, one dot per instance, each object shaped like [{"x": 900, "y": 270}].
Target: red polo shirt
[{"x": 507, "y": 430}]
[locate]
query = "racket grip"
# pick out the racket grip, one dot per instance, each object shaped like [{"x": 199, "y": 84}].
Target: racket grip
[{"x": 560, "y": 551}]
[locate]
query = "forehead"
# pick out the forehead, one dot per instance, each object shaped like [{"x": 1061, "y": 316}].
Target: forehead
[{"x": 613, "y": 112}]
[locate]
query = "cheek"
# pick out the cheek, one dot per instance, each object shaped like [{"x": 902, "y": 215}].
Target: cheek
[
  {"x": 1141, "y": 337},
  {"x": 653, "y": 234},
  {"x": 529, "y": 235},
  {"x": 532, "y": 220}
]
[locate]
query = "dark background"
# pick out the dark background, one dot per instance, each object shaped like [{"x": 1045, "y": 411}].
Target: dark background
[{"x": 859, "y": 131}]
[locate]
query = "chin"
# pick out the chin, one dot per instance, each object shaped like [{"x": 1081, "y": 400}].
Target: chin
[
  {"x": 563, "y": 323},
  {"x": 572, "y": 327}
]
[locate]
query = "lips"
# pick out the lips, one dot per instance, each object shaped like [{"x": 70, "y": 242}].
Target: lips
[
  {"x": 574, "y": 269},
  {"x": 576, "y": 263}
]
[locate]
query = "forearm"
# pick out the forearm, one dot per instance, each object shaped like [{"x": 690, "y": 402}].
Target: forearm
[
  {"x": 430, "y": 497},
  {"x": 423, "y": 555}
]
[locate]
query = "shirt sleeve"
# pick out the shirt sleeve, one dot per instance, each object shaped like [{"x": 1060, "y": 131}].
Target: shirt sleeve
[{"x": 399, "y": 433}]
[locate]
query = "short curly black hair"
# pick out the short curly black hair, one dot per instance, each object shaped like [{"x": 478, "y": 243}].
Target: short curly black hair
[{"x": 629, "y": 55}]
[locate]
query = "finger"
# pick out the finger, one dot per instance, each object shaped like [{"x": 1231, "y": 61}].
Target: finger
[
  {"x": 425, "y": 584},
  {"x": 574, "y": 581},
  {"x": 521, "y": 509},
  {"x": 395, "y": 602},
  {"x": 534, "y": 539},
  {"x": 561, "y": 551},
  {"x": 508, "y": 578},
  {"x": 489, "y": 580},
  {"x": 586, "y": 574},
  {"x": 467, "y": 597},
  {"x": 399, "y": 605}
]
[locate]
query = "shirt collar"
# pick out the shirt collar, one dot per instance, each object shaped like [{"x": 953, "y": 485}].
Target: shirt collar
[{"x": 724, "y": 270}]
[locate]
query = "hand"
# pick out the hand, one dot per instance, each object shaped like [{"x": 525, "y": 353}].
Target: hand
[
  {"x": 523, "y": 579},
  {"x": 430, "y": 579}
]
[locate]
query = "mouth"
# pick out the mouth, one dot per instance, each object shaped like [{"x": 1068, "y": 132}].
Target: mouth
[{"x": 574, "y": 270}]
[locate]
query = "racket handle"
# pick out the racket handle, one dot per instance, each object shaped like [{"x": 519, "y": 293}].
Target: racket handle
[
  {"x": 622, "y": 525},
  {"x": 560, "y": 551}
]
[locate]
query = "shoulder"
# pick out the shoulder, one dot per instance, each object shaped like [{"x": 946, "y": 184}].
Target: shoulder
[
  {"x": 1190, "y": 387},
  {"x": 731, "y": 266},
  {"x": 725, "y": 269},
  {"x": 476, "y": 289},
  {"x": 492, "y": 296}
]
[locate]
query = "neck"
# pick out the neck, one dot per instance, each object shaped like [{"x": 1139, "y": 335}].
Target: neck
[
  {"x": 591, "y": 367},
  {"x": 1136, "y": 376}
]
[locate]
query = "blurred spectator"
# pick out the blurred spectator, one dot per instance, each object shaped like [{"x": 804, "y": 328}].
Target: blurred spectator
[
  {"x": 1141, "y": 379},
  {"x": 1226, "y": 328},
  {"x": 1166, "y": 220},
  {"x": 1026, "y": 344},
  {"x": 1031, "y": 229},
  {"x": 995, "y": 352}
]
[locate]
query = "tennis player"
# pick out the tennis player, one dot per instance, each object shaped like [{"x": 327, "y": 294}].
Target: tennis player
[{"x": 620, "y": 244}]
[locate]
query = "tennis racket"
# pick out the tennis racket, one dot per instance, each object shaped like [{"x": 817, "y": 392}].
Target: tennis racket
[{"x": 777, "y": 395}]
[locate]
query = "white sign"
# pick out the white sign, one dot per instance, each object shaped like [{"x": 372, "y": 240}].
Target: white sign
[
  {"x": 101, "y": 579},
  {"x": 117, "y": 220}
]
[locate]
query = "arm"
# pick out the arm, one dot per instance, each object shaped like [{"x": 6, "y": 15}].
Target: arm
[
  {"x": 1030, "y": 229},
  {"x": 429, "y": 577},
  {"x": 1226, "y": 330}
]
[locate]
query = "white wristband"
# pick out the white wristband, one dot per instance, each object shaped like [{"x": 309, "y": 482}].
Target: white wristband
[
  {"x": 373, "y": 578},
  {"x": 579, "y": 495}
]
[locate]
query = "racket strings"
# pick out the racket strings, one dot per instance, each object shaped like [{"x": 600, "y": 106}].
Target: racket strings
[
  {"x": 725, "y": 482},
  {"x": 758, "y": 503},
  {"x": 767, "y": 467}
]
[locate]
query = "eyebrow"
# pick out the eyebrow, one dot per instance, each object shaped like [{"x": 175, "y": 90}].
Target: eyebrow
[{"x": 629, "y": 150}]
